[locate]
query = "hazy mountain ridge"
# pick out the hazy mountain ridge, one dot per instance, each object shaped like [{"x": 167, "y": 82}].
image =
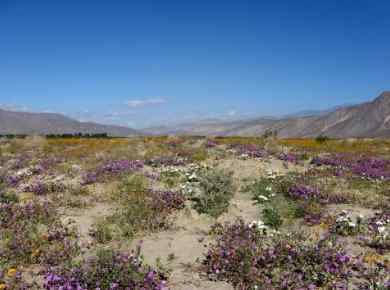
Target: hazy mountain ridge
[
  {"x": 12, "y": 122},
  {"x": 370, "y": 119}
]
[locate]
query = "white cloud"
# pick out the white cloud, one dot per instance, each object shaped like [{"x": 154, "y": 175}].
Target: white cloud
[
  {"x": 232, "y": 113},
  {"x": 145, "y": 102},
  {"x": 15, "y": 108}
]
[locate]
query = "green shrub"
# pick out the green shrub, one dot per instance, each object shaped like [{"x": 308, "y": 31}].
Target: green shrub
[
  {"x": 6, "y": 197},
  {"x": 322, "y": 139},
  {"x": 272, "y": 218},
  {"x": 141, "y": 209},
  {"x": 261, "y": 190},
  {"x": 216, "y": 191},
  {"x": 102, "y": 231},
  {"x": 131, "y": 184}
]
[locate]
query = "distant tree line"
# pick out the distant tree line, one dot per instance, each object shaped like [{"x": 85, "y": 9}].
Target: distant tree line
[{"x": 13, "y": 136}]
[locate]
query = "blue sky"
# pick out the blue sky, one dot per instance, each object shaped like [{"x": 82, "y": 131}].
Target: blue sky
[{"x": 142, "y": 63}]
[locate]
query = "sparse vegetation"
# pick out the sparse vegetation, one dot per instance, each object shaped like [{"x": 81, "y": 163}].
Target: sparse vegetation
[{"x": 63, "y": 199}]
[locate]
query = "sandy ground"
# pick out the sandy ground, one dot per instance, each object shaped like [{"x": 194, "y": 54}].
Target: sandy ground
[{"x": 183, "y": 247}]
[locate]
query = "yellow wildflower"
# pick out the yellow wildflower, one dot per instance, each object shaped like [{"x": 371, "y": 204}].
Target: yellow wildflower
[
  {"x": 35, "y": 253},
  {"x": 372, "y": 258},
  {"x": 3, "y": 286},
  {"x": 11, "y": 272}
]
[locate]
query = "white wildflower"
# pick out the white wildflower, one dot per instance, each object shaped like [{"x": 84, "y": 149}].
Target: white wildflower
[
  {"x": 263, "y": 197},
  {"x": 381, "y": 229}
]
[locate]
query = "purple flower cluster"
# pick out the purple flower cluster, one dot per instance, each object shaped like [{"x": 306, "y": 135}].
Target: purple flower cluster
[
  {"x": 20, "y": 161},
  {"x": 166, "y": 161},
  {"x": 304, "y": 192},
  {"x": 26, "y": 242},
  {"x": 308, "y": 193},
  {"x": 369, "y": 167},
  {"x": 12, "y": 214},
  {"x": 13, "y": 180},
  {"x": 211, "y": 143},
  {"x": 40, "y": 186},
  {"x": 119, "y": 166},
  {"x": 245, "y": 257},
  {"x": 289, "y": 157},
  {"x": 48, "y": 162},
  {"x": 250, "y": 150},
  {"x": 111, "y": 168},
  {"x": 372, "y": 168},
  {"x": 108, "y": 271},
  {"x": 168, "y": 200}
]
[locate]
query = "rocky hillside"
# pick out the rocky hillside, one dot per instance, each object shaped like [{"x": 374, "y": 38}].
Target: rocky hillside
[
  {"x": 370, "y": 119},
  {"x": 48, "y": 123}
]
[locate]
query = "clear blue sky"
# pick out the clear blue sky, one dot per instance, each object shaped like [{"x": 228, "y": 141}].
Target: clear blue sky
[{"x": 147, "y": 62}]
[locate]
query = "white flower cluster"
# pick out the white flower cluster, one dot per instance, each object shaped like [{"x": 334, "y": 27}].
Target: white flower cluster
[
  {"x": 383, "y": 228},
  {"x": 345, "y": 219},
  {"x": 258, "y": 224},
  {"x": 272, "y": 173},
  {"x": 171, "y": 170},
  {"x": 190, "y": 187},
  {"x": 266, "y": 230},
  {"x": 25, "y": 172}
]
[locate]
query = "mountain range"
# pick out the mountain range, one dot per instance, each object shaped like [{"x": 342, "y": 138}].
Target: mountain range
[
  {"x": 12, "y": 122},
  {"x": 370, "y": 119}
]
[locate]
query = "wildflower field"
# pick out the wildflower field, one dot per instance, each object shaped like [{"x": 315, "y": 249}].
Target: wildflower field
[{"x": 194, "y": 213}]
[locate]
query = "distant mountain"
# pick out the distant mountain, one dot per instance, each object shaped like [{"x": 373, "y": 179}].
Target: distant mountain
[
  {"x": 307, "y": 113},
  {"x": 50, "y": 123},
  {"x": 371, "y": 119}
]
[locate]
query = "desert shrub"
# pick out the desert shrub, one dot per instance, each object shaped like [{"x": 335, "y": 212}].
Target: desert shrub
[
  {"x": 282, "y": 184},
  {"x": 131, "y": 184},
  {"x": 141, "y": 209},
  {"x": 8, "y": 197},
  {"x": 272, "y": 218},
  {"x": 102, "y": 231},
  {"x": 170, "y": 176},
  {"x": 77, "y": 190},
  {"x": 322, "y": 139},
  {"x": 261, "y": 190},
  {"x": 107, "y": 270},
  {"x": 216, "y": 191}
]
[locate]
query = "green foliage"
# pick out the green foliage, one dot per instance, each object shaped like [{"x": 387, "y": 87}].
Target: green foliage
[
  {"x": 261, "y": 190},
  {"x": 282, "y": 184},
  {"x": 102, "y": 231},
  {"x": 6, "y": 197},
  {"x": 141, "y": 209},
  {"x": 216, "y": 191},
  {"x": 272, "y": 218},
  {"x": 199, "y": 155},
  {"x": 131, "y": 184},
  {"x": 322, "y": 139},
  {"x": 170, "y": 177},
  {"x": 135, "y": 215}
]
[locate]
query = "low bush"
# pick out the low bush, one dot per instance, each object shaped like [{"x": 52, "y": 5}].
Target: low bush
[
  {"x": 140, "y": 209},
  {"x": 216, "y": 191},
  {"x": 272, "y": 218}
]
